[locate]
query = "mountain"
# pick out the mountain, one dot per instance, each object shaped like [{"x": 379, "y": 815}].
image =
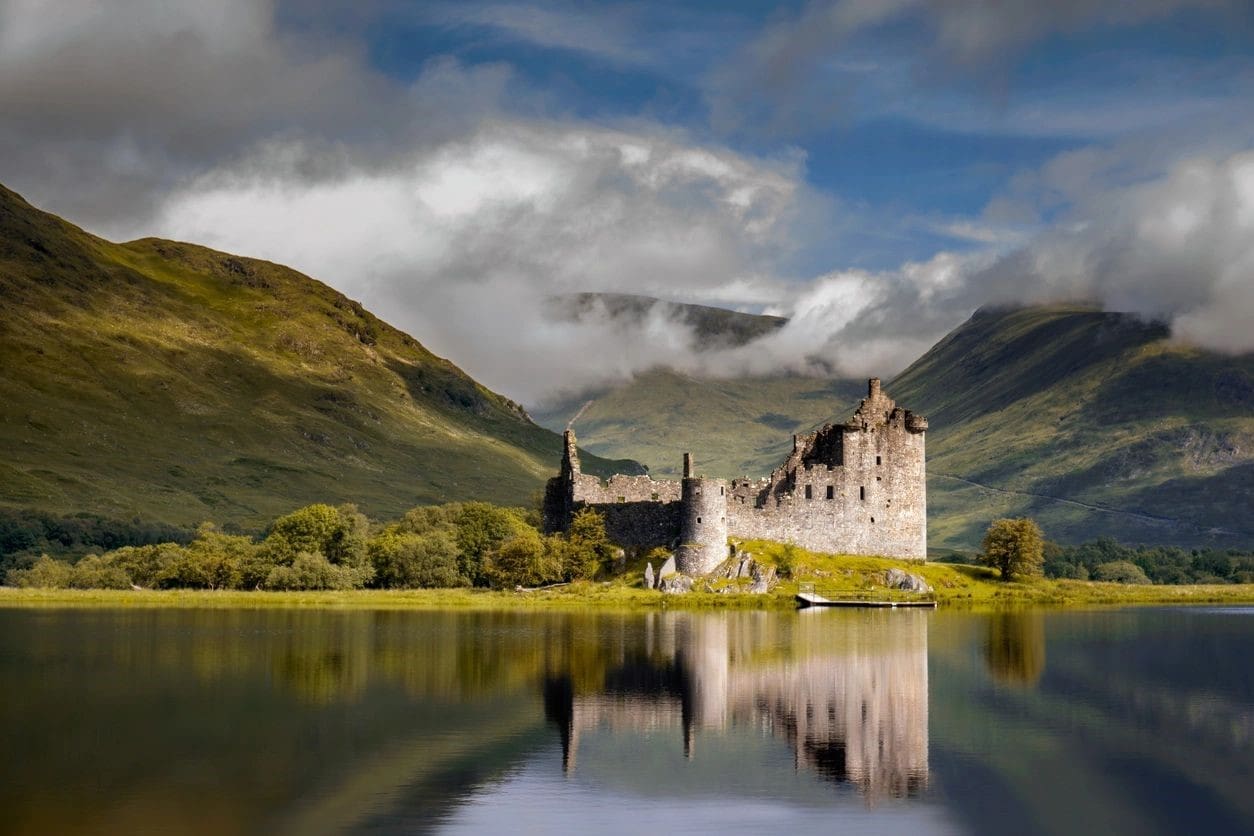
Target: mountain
[
  {"x": 1093, "y": 423},
  {"x": 176, "y": 383},
  {"x": 735, "y": 427},
  {"x": 1096, "y": 424},
  {"x": 714, "y": 328}
]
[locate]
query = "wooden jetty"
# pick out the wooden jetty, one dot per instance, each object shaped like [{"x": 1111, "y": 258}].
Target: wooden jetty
[{"x": 809, "y": 599}]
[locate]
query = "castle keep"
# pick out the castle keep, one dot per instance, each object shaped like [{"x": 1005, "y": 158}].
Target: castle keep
[{"x": 851, "y": 488}]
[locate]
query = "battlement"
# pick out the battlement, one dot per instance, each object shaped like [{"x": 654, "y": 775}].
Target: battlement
[{"x": 857, "y": 487}]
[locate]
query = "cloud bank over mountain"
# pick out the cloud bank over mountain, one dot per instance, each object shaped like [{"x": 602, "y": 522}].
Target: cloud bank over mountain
[{"x": 457, "y": 198}]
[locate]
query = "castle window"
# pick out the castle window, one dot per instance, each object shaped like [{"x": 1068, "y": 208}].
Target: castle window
[
  {"x": 877, "y": 460},
  {"x": 831, "y": 492},
  {"x": 720, "y": 490},
  {"x": 655, "y": 496},
  {"x": 872, "y": 520},
  {"x": 808, "y": 492},
  {"x": 862, "y": 493},
  {"x": 879, "y": 478},
  {"x": 698, "y": 521}
]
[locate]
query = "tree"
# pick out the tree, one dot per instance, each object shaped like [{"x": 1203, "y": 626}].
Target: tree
[
  {"x": 587, "y": 548},
  {"x": 523, "y": 560},
  {"x": 403, "y": 560},
  {"x": 1015, "y": 547},
  {"x": 336, "y": 535},
  {"x": 481, "y": 529}
]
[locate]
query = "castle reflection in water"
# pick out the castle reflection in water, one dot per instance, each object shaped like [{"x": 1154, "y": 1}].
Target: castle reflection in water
[{"x": 849, "y": 696}]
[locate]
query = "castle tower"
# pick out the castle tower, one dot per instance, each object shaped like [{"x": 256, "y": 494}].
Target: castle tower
[{"x": 703, "y": 523}]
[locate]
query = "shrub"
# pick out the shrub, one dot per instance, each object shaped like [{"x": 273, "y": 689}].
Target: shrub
[
  {"x": 1121, "y": 571},
  {"x": 45, "y": 573}
]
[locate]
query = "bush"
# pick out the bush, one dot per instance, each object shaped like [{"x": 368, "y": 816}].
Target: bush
[
  {"x": 1121, "y": 571},
  {"x": 45, "y": 573},
  {"x": 1015, "y": 547}
]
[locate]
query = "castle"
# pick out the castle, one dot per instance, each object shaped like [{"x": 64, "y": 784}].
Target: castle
[{"x": 852, "y": 488}]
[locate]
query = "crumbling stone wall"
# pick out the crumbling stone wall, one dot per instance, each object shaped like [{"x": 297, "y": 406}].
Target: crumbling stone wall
[{"x": 852, "y": 488}]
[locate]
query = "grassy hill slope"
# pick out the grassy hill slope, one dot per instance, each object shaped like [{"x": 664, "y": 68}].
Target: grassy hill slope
[
  {"x": 732, "y": 427},
  {"x": 1094, "y": 423},
  {"x": 176, "y": 383}
]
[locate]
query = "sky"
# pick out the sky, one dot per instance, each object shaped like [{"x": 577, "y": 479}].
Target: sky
[{"x": 874, "y": 170}]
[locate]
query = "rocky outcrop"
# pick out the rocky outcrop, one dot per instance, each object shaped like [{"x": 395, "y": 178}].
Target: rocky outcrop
[{"x": 897, "y": 579}]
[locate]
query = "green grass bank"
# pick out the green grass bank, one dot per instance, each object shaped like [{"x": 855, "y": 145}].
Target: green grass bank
[{"x": 835, "y": 576}]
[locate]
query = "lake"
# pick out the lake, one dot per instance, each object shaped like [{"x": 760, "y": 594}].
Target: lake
[{"x": 308, "y": 722}]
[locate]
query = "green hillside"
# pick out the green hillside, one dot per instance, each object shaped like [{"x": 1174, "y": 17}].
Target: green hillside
[
  {"x": 175, "y": 383},
  {"x": 732, "y": 427},
  {"x": 1094, "y": 423}
]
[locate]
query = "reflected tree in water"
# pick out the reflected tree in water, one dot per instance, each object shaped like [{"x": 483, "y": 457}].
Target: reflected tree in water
[{"x": 1015, "y": 647}]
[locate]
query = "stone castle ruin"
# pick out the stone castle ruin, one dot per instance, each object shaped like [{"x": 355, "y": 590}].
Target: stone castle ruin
[{"x": 852, "y": 488}]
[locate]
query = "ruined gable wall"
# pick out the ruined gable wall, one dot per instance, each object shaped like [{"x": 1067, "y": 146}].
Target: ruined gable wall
[
  {"x": 862, "y": 494},
  {"x": 638, "y": 510}
]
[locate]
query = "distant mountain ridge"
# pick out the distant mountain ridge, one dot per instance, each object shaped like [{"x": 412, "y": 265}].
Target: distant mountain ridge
[
  {"x": 1096, "y": 424},
  {"x": 172, "y": 382},
  {"x": 714, "y": 328}
]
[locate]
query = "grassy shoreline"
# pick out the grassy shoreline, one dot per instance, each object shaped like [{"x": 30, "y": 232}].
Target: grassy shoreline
[
  {"x": 835, "y": 576},
  {"x": 616, "y": 596}
]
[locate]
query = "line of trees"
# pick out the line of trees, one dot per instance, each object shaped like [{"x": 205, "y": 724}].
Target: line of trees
[
  {"x": 325, "y": 547},
  {"x": 1106, "y": 559},
  {"x": 1017, "y": 548}
]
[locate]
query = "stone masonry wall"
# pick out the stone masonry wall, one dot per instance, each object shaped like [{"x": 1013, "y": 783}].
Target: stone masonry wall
[{"x": 852, "y": 488}]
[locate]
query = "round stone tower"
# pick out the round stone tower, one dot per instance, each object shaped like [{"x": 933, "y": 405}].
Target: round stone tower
[{"x": 703, "y": 523}]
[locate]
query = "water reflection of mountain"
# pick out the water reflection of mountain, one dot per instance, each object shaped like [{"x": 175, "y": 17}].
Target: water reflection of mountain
[{"x": 849, "y": 696}]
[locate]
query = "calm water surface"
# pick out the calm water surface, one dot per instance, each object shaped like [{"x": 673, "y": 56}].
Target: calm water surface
[{"x": 276, "y": 722}]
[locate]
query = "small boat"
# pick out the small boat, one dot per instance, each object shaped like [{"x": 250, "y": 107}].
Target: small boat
[{"x": 809, "y": 599}]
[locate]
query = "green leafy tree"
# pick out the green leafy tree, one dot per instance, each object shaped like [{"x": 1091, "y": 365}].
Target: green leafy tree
[
  {"x": 404, "y": 560},
  {"x": 152, "y": 567},
  {"x": 338, "y": 535},
  {"x": 312, "y": 570},
  {"x": 523, "y": 560},
  {"x": 96, "y": 572},
  {"x": 1015, "y": 547},
  {"x": 586, "y": 548},
  {"x": 481, "y": 529},
  {"x": 44, "y": 573},
  {"x": 215, "y": 560},
  {"x": 427, "y": 518}
]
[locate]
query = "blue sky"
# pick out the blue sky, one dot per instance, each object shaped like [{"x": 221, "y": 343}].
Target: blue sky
[
  {"x": 880, "y": 118},
  {"x": 872, "y": 169}
]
